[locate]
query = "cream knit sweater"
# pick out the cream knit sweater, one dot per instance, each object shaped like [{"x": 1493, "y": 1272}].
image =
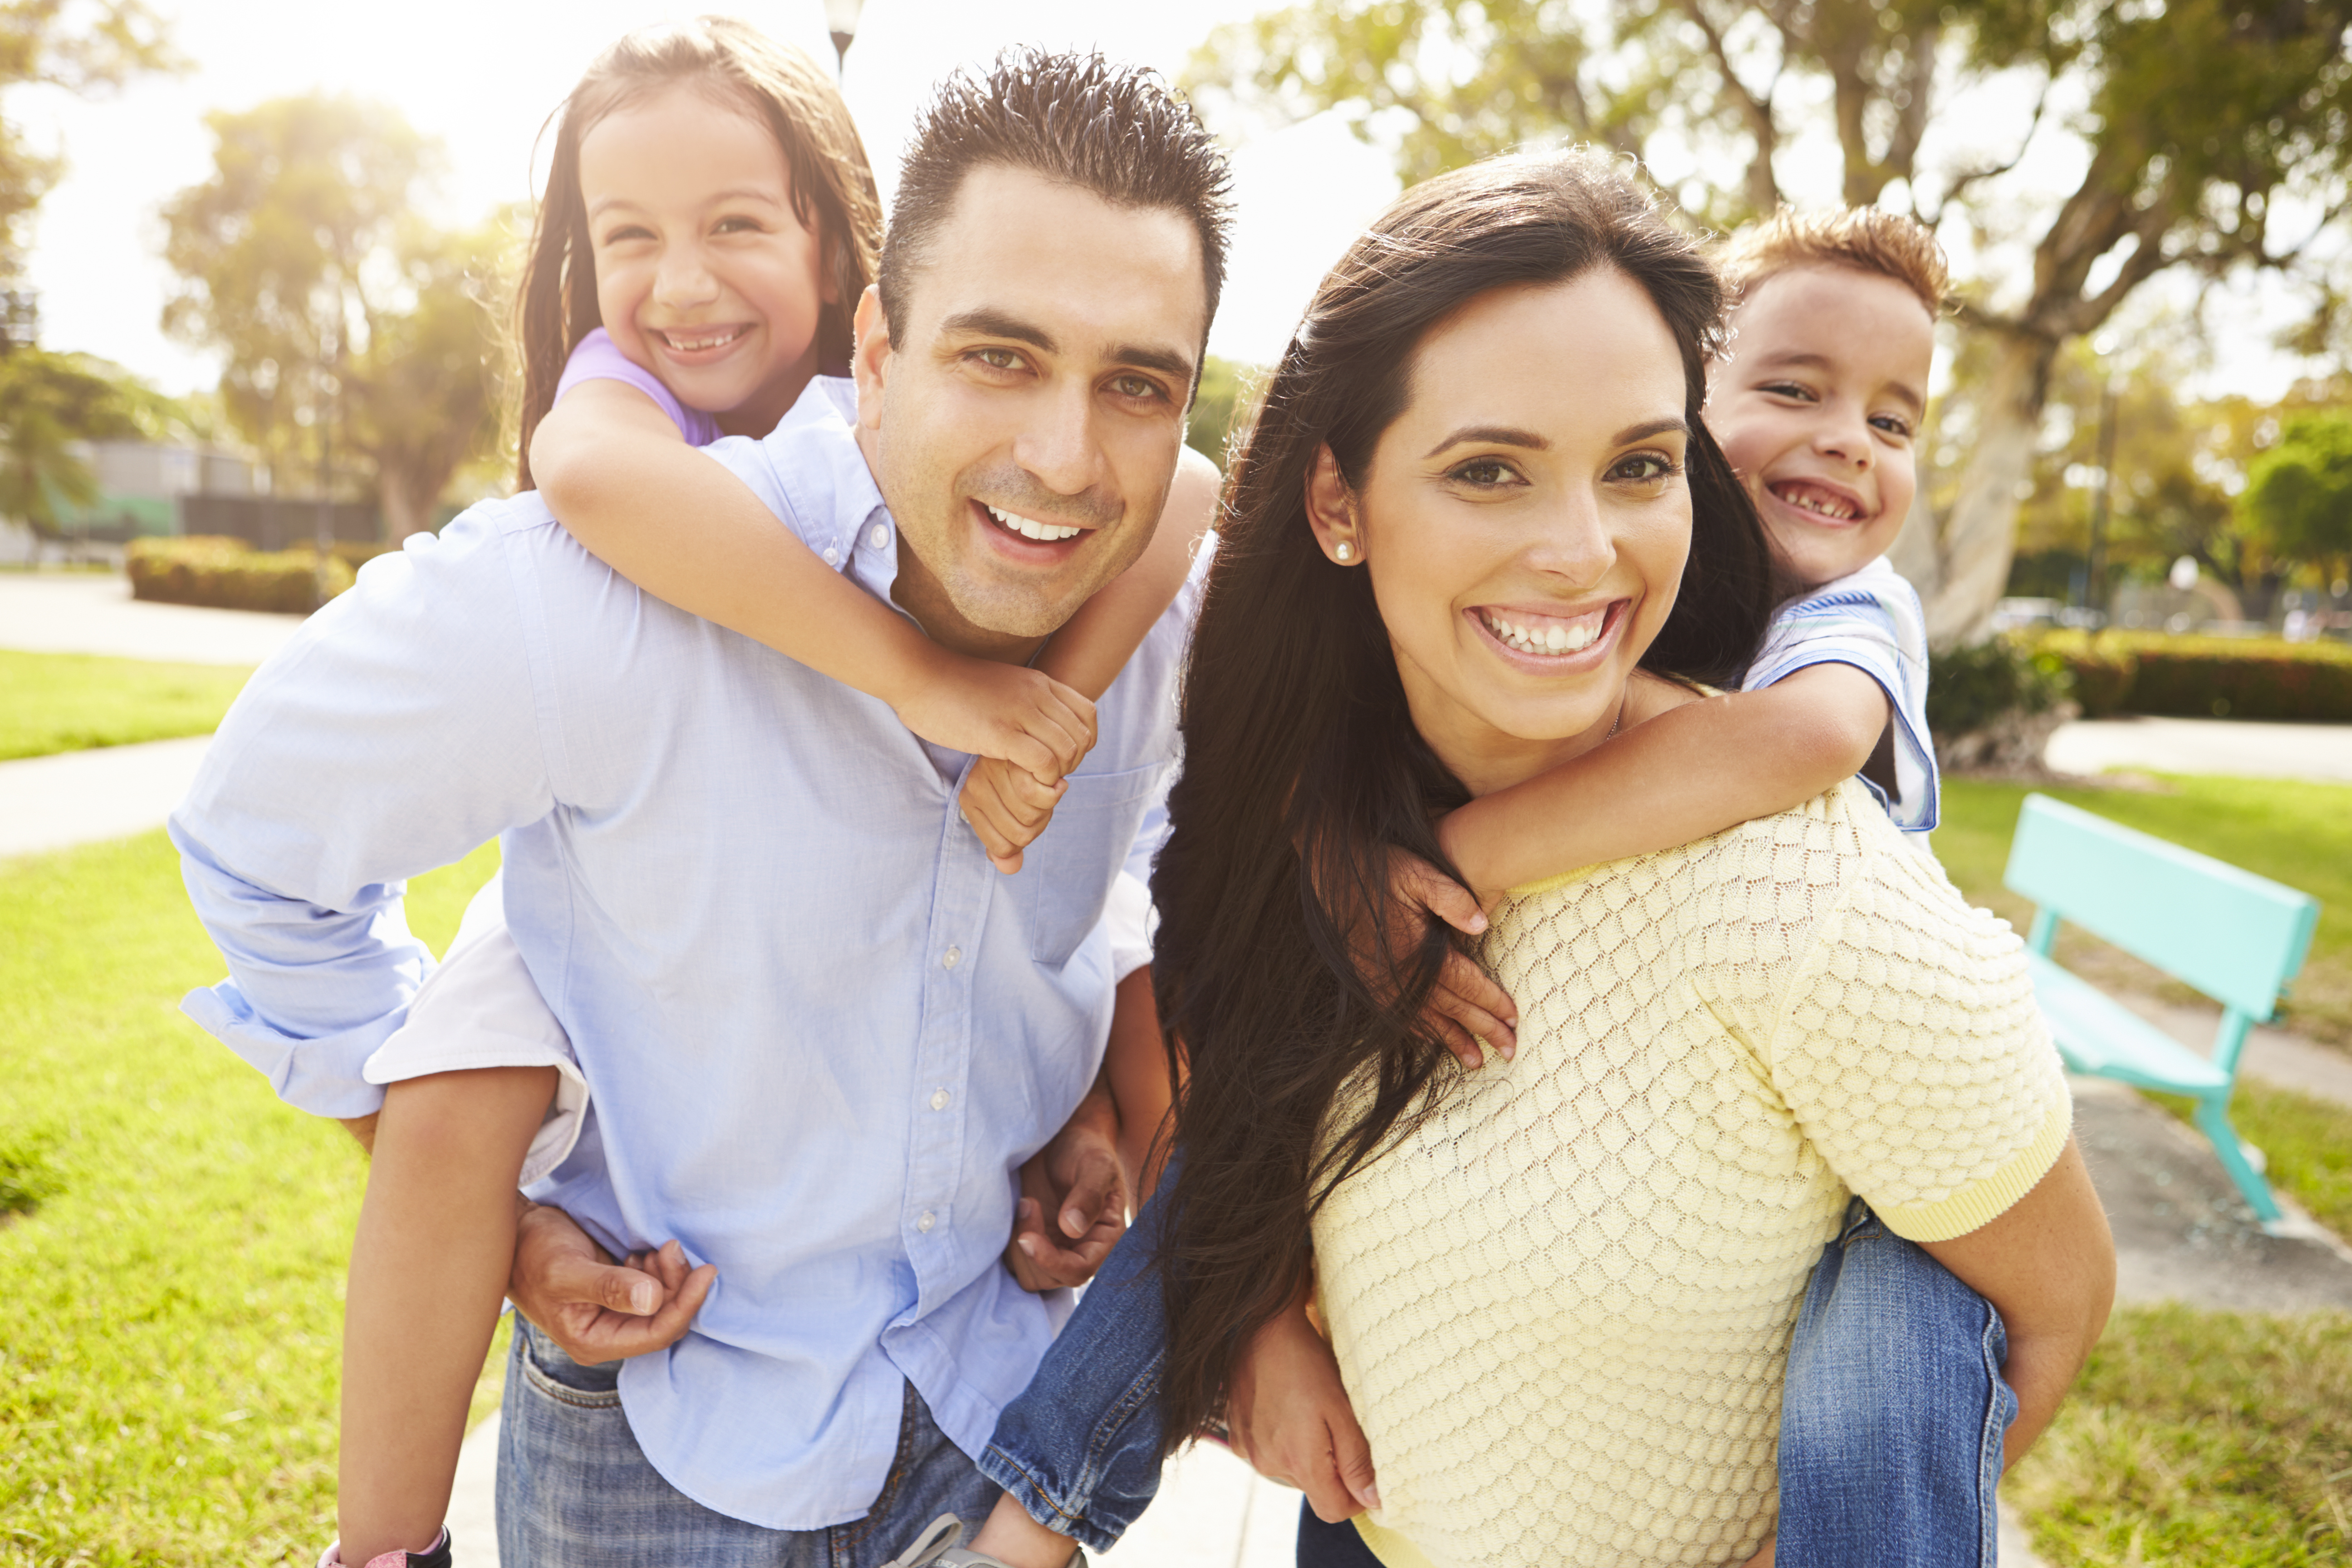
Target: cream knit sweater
[{"x": 1562, "y": 1304}]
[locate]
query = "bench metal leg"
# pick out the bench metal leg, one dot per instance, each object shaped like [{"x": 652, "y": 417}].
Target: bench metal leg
[{"x": 2213, "y": 1121}]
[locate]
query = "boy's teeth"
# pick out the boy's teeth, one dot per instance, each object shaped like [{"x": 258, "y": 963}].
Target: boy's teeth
[
  {"x": 1029, "y": 529},
  {"x": 1822, "y": 505},
  {"x": 1573, "y": 638}
]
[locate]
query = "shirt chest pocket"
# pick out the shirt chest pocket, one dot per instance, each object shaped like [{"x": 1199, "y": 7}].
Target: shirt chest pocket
[{"x": 1066, "y": 875}]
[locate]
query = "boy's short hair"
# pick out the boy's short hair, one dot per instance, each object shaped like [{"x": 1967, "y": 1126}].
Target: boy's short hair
[
  {"x": 1117, "y": 131},
  {"x": 1866, "y": 240}
]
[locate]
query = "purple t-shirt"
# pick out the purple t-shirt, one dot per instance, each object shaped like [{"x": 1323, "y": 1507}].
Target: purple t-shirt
[{"x": 598, "y": 358}]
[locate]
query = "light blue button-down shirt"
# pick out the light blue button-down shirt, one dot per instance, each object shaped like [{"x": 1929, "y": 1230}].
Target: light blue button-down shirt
[{"x": 821, "y": 1032}]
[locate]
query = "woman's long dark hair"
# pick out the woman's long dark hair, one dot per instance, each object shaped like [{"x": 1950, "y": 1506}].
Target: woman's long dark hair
[{"x": 1302, "y": 766}]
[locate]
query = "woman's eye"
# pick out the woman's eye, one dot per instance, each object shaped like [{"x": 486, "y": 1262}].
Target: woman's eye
[
  {"x": 1645, "y": 467},
  {"x": 1482, "y": 473}
]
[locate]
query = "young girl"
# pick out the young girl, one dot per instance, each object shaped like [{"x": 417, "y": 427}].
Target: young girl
[{"x": 708, "y": 226}]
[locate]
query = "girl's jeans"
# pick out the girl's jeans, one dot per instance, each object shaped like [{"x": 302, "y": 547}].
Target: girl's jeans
[{"x": 1891, "y": 1420}]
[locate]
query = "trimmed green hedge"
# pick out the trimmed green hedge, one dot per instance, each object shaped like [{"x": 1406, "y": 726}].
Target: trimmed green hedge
[
  {"x": 2205, "y": 677},
  {"x": 227, "y": 574}
]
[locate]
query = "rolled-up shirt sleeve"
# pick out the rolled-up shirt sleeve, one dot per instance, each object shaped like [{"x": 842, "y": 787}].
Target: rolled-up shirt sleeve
[{"x": 394, "y": 734}]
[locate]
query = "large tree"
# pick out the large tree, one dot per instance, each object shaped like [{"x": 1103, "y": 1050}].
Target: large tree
[
  {"x": 344, "y": 316},
  {"x": 2298, "y": 499},
  {"x": 83, "y": 46},
  {"x": 2191, "y": 127}
]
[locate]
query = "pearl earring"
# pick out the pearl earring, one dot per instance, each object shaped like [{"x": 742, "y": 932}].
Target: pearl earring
[{"x": 1344, "y": 550}]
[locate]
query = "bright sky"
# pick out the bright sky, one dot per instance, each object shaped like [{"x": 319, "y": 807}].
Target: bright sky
[{"x": 482, "y": 75}]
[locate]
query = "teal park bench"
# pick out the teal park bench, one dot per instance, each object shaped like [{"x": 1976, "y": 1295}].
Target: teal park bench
[{"x": 2236, "y": 937}]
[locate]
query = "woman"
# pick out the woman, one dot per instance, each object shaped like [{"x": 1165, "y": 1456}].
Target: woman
[{"x": 1562, "y": 1289}]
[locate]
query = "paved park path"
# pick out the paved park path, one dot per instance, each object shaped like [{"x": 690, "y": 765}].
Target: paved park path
[{"x": 2181, "y": 1231}]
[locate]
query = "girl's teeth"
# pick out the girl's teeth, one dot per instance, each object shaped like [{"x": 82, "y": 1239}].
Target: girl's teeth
[
  {"x": 1029, "y": 529},
  {"x": 692, "y": 345},
  {"x": 1553, "y": 639}
]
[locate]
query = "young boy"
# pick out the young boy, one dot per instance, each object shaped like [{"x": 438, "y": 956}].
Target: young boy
[{"x": 1818, "y": 406}]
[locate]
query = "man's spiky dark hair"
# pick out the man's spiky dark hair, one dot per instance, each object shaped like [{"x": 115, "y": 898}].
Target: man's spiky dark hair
[{"x": 1119, "y": 131}]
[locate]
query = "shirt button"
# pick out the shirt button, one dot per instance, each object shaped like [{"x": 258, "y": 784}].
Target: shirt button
[
  {"x": 952, "y": 957},
  {"x": 832, "y": 556},
  {"x": 939, "y": 1100},
  {"x": 928, "y": 1220},
  {"x": 878, "y": 536}
]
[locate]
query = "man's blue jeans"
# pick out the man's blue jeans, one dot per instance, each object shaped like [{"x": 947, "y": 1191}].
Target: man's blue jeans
[
  {"x": 574, "y": 1490},
  {"x": 1891, "y": 1419}
]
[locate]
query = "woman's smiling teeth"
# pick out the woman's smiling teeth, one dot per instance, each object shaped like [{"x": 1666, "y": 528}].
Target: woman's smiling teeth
[
  {"x": 715, "y": 338},
  {"x": 1813, "y": 499},
  {"x": 1544, "y": 634},
  {"x": 1028, "y": 528}
]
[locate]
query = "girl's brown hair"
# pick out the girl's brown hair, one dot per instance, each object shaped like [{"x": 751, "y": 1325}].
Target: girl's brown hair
[
  {"x": 738, "y": 65},
  {"x": 1303, "y": 770}
]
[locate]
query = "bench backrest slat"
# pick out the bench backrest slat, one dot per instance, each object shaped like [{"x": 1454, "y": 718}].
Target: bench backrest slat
[{"x": 2235, "y": 936}]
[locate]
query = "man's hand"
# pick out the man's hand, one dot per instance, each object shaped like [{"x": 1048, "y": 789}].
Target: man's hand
[
  {"x": 593, "y": 1310},
  {"x": 1023, "y": 716},
  {"x": 1077, "y": 1179},
  {"x": 1008, "y": 807},
  {"x": 1288, "y": 1413},
  {"x": 1466, "y": 1006}
]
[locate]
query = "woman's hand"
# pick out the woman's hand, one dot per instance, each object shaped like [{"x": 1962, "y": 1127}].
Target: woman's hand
[{"x": 1288, "y": 1413}]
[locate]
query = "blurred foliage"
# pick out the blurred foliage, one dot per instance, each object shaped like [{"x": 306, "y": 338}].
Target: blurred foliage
[
  {"x": 344, "y": 316},
  {"x": 2298, "y": 499},
  {"x": 223, "y": 573},
  {"x": 48, "y": 403},
  {"x": 2184, "y": 477},
  {"x": 2203, "y": 676},
  {"x": 2190, "y": 122},
  {"x": 1219, "y": 406},
  {"x": 1972, "y": 686},
  {"x": 86, "y": 46}
]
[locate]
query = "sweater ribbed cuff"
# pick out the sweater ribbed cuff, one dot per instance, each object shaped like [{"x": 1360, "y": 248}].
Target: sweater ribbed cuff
[{"x": 1980, "y": 1203}]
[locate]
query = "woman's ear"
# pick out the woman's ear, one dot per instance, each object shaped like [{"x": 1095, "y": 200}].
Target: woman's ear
[{"x": 1331, "y": 510}]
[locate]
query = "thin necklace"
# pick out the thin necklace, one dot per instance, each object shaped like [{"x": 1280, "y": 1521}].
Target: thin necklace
[{"x": 1617, "y": 720}]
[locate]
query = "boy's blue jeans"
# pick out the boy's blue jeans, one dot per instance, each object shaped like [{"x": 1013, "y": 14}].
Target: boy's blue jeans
[{"x": 1891, "y": 1420}]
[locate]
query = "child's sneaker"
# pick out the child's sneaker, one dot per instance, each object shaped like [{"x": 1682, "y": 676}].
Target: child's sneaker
[
  {"x": 937, "y": 1548},
  {"x": 436, "y": 1556}
]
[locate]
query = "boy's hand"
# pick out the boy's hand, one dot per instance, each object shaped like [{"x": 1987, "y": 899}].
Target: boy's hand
[
  {"x": 1466, "y": 1004},
  {"x": 1023, "y": 716},
  {"x": 1008, "y": 807}
]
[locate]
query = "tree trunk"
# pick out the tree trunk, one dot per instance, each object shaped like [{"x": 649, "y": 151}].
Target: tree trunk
[
  {"x": 406, "y": 509},
  {"x": 1959, "y": 562}
]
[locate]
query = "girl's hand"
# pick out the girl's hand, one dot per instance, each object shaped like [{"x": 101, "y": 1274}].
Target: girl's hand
[
  {"x": 1023, "y": 717},
  {"x": 1008, "y": 807}
]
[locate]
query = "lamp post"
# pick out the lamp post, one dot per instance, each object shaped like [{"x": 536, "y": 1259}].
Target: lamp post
[
  {"x": 841, "y": 21},
  {"x": 2094, "y": 561},
  {"x": 323, "y": 538}
]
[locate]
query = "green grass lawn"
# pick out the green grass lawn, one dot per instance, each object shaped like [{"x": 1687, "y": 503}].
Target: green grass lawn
[
  {"x": 2299, "y": 833},
  {"x": 2203, "y": 1440},
  {"x": 168, "y": 1346},
  {"x": 69, "y": 702}
]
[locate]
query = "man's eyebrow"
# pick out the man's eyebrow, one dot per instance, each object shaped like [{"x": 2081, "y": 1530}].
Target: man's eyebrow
[
  {"x": 988, "y": 322},
  {"x": 1167, "y": 362},
  {"x": 985, "y": 322}
]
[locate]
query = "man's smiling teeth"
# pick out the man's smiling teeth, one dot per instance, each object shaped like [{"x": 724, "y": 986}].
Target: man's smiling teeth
[
  {"x": 1029, "y": 529},
  {"x": 1823, "y": 503},
  {"x": 687, "y": 345},
  {"x": 1551, "y": 636}
]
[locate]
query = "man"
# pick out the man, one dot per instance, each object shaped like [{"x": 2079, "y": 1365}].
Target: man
[{"x": 821, "y": 1032}]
